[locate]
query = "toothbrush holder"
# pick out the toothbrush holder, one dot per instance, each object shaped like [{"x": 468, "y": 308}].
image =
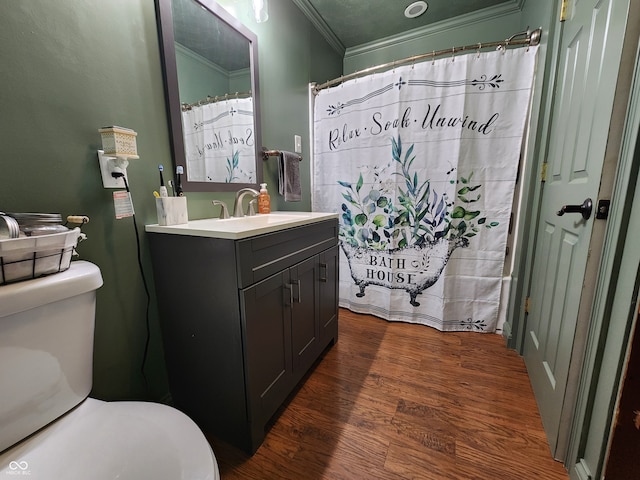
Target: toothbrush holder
[{"x": 172, "y": 210}]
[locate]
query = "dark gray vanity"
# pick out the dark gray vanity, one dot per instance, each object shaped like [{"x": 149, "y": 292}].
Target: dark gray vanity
[{"x": 244, "y": 317}]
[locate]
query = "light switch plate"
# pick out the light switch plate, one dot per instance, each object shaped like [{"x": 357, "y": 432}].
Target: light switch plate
[{"x": 298, "y": 143}]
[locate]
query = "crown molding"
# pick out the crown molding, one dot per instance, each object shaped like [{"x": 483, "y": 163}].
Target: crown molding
[
  {"x": 515, "y": 6},
  {"x": 200, "y": 59},
  {"x": 320, "y": 25},
  {"x": 479, "y": 16}
]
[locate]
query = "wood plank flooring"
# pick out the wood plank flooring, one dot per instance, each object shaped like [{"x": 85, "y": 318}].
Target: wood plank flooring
[{"x": 394, "y": 401}]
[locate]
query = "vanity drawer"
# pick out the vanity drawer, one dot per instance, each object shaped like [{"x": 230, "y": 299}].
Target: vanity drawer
[{"x": 262, "y": 256}]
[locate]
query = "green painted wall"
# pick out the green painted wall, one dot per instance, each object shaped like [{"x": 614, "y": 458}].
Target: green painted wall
[{"x": 64, "y": 73}]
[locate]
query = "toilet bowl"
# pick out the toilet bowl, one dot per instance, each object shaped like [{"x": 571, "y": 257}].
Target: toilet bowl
[{"x": 49, "y": 427}]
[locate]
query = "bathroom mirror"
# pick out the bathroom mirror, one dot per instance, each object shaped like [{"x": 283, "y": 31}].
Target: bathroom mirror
[{"x": 210, "y": 66}]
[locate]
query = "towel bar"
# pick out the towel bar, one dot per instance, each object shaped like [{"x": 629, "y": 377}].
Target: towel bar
[{"x": 272, "y": 153}]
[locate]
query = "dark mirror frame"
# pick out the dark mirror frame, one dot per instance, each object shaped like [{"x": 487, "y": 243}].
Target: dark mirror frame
[{"x": 166, "y": 36}]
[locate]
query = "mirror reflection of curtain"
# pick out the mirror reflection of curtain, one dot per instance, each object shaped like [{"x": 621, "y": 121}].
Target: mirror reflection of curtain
[{"x": 219, "y": 142}]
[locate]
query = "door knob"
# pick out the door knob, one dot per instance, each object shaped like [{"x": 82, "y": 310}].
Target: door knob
[{"x": 584, "y": 209}]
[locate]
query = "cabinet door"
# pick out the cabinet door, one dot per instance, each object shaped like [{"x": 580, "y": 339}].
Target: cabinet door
[
  {"x": 304, "y": 317},
  {"x": 267, "y": 331},
  {"x": 328, "y": 284}
]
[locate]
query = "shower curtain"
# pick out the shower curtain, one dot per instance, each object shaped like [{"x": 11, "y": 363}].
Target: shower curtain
[
  {"x": 420, "y": 164},
  {"x": 219, "y": 141}
]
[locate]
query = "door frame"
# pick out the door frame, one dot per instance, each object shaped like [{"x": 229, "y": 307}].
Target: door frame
[{"x": 535, "y": 147}]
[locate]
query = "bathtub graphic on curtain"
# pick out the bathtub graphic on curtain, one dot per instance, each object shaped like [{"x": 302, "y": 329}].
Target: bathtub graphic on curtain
[
  {"x": 420, "y": 163},
  {"x": 404, "y": 242}
]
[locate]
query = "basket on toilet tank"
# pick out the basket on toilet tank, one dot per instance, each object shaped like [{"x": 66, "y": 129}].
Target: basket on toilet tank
[{"x": 31, "y": 257}]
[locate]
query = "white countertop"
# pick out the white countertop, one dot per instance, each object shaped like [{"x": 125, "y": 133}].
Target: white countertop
[{"x": 242, "y": 227}]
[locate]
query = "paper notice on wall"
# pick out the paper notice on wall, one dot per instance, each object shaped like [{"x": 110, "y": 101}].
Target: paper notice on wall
[{"x": 123, "y": 204}]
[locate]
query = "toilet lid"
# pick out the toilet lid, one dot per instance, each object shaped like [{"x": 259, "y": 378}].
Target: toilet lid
[{"x": 108, "y": 440}]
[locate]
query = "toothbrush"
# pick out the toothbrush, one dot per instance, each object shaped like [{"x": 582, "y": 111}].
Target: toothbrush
[
  {"x": 163, "y": 189},
  {"x": 179, "y": 172}
]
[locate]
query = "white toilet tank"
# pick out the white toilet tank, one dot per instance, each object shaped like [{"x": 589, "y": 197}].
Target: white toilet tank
[{"x": 46, "y": 348}]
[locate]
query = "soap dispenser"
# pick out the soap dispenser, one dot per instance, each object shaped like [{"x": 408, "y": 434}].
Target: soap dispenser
[{"x": 264, "y": 200}]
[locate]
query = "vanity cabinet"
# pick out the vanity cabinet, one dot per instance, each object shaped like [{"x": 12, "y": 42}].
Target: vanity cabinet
[{"x": 243, "y": 321}]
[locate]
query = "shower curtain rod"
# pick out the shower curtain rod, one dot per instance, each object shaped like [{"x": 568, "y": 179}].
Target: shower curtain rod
[
  {"x": 531, "y": 38},
  {"x": 209, "y": 99}
]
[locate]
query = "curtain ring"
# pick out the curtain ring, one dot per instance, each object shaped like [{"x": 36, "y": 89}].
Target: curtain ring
[
  {"x": 479, "y": 48},
  {"x": 453, "y": 54},
  {"x": 433, "y": 58}
]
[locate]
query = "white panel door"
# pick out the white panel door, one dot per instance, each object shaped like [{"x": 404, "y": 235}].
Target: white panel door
[{"x": 591, "y": 47}]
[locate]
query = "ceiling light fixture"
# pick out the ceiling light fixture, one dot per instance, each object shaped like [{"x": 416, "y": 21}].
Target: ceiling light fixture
[{"x": 415, "y": 9}]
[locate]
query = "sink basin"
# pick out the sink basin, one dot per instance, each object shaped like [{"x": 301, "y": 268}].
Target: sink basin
[{"x": 242, "y": 227}]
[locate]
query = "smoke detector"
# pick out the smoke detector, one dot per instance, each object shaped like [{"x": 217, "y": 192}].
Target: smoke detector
[{"x": 415, "y": 9}]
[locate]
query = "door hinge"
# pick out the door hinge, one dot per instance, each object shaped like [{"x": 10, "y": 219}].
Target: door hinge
[
  {"x": 543, "y": 173},
  {"x": 527, "y": 304},
  {"x": 563, "y": 10}
]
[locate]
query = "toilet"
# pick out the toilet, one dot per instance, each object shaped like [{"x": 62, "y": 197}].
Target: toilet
[{"x": 49, "y": 427}]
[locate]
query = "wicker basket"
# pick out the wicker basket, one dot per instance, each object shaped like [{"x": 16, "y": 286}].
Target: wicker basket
[{"x": 31, "y": 257}]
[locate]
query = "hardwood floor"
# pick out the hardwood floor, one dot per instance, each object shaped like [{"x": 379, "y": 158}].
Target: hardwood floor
[{"x": 395, "y": 401}]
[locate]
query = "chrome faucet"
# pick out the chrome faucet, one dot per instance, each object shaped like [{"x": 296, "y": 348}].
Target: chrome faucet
[
  {"x": 240, "y": 194},
  {"x": 224, "y": 212}
]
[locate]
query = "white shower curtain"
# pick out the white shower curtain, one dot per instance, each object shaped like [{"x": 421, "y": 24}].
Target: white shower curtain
[
  {"x": 219, "y": 141},
  {"x": 420, "y": 163}
]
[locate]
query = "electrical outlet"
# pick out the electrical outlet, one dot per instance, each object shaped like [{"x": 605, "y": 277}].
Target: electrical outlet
[
  {"x": 107, "y": 165},
  {"x": 298, "y": 143}
]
